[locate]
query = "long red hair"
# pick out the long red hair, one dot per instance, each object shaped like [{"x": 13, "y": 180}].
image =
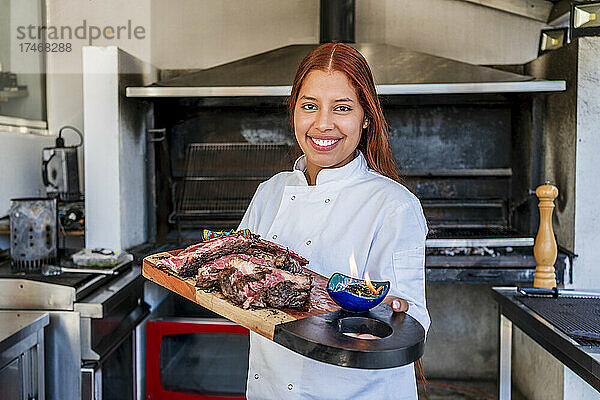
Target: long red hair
[{"x": 375, "y": 139}]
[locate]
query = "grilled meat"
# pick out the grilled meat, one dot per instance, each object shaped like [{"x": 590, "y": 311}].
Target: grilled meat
[
  {"x": 253, "y": 285},
  {"x": 277, "y": 256},
  {"x": 249, "y": 271},
  {"x": 187, "y": 262}
]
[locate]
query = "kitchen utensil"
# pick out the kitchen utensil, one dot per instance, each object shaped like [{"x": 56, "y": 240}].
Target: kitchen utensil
[
  {"x": 555, "y": 292},
  {"x": 49, "y": 269},
  {"x": 33, "y": 233},
  {"x": 337, "y": 287},
  {"x": 545, "y": 249}
]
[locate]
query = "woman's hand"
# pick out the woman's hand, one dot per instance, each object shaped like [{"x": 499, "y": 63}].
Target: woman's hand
[{"x": 397, "y": 304}]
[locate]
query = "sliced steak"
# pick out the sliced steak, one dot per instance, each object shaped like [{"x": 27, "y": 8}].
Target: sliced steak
[
  {"x": 249, "y": 284},
  {"x": 187, "y": 262},
  {"x": 208, "y": 274},
  {"x": 287, "y": 294},
  {"x": 249, "y": 271}
]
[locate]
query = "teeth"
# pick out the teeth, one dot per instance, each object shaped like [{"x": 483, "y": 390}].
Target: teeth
[{"x": 324, "y": 143}]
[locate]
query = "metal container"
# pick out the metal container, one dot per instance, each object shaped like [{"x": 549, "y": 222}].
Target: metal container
[{"x": 33, "y": 233}]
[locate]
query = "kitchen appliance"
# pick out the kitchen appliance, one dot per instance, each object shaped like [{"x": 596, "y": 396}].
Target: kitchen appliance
[
  {"x": 474, "y": 129},
  {"x": 397, "y": 71},
  {"x": 92, "y": 341},
  {"x": 33, "y": 233},
  {"x": 196, "y": 358},
  {"x": 60, "y": 168}
]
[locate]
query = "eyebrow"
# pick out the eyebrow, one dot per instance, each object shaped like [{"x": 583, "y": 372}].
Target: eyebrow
[{"x": 343, "y": 99}]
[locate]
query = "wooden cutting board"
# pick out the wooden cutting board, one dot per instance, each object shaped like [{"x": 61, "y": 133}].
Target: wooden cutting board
[{"x": 261, "y": 321}]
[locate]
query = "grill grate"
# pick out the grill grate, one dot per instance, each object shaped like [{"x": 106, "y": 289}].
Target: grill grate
[
  {"x": 569, "y": 314},
  {"x": 221, "y": 178},
  {"x": 475, "y": 233}
]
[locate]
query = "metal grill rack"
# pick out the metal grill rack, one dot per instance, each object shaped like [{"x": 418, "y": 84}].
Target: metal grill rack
[
  {"x": 571, "y": 315},
  {"x": 220, "y": 180}
]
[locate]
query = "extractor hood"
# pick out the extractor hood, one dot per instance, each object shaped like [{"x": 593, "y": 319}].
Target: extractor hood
[{"x": 397, "y": 71}]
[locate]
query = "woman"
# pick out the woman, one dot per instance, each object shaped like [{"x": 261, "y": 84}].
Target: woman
[{"x": 342, "y": 197}]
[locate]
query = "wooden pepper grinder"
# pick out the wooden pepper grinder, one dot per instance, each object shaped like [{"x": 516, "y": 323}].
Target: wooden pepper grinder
[{"x": 544, "y": 249}]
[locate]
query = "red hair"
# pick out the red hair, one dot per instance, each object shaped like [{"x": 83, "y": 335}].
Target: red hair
[{"x": 375, "y": 139}]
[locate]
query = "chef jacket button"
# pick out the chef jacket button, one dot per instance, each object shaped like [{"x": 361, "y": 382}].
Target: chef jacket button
[
  {"x": 255, "y": 376},
  {"x": 290, "y": 386},
  {"x": 274, "y": 236},
  {"x": 308, "y": 242},
  {"x": 327, "y": 200},
  {"x": 293, "y": 197}
]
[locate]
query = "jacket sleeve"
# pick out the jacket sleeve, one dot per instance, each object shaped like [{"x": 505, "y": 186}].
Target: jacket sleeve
[
  {"x": 397, "y": 254},
  {"x": 251, "y": 216}
]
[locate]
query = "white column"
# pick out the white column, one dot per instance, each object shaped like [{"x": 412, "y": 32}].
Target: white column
[
  {"x": 116, "y": 150},
  {"x": 101, "y": 147}
]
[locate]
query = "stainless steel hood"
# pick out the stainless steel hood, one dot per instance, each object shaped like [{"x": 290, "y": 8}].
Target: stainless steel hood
[{"x": 397, "y": 71}]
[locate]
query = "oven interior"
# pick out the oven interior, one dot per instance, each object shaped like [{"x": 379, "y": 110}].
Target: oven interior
[{"x": 465, "y": 157}]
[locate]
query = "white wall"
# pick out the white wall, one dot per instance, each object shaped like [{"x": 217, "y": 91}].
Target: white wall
[
  {"x": 205, "y": 33},
  {"x": 586, "y": 273},
  {"x": 461, "y": 31},
  {"x": 20, "y": 169}
]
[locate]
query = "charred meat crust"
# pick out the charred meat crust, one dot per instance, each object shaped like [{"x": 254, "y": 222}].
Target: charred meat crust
[{"x": 249, "y": 271}]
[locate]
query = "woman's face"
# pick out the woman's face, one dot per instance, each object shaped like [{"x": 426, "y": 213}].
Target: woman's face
[{"x": 328, "y": 120}]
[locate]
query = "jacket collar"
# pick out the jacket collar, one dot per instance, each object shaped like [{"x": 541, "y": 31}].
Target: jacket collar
[{"x": 354, "y": 167}]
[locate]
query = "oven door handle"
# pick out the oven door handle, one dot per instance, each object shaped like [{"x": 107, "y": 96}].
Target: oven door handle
[{"x": 112, "y": 340}]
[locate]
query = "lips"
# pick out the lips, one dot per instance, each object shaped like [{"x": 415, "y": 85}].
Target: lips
[{"x": 324, "y": 144}]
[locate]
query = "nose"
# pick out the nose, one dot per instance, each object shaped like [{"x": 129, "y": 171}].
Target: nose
[{"x": 324, "y": 121}]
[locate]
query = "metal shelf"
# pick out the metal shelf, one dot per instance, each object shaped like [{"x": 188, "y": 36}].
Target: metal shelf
[{"x": 534, "y": 86}]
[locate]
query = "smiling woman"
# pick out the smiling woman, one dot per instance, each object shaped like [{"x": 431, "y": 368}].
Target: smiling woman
[
  {"x": 328, "y": 120},
  {"x": 342, "y": 198},
  {"x": 334, "y": 102}
]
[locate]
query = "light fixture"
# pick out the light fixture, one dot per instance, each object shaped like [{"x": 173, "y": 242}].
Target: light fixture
[
  {"x": 585, "y": 18},
  {"x": 552, "y": 39}
]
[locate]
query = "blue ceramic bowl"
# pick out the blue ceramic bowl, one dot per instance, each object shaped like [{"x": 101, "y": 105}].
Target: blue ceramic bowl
[{"x": 350, "y": 301}]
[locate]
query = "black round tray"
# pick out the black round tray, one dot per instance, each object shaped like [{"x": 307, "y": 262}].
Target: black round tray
[{"x": 320, "y": 337}]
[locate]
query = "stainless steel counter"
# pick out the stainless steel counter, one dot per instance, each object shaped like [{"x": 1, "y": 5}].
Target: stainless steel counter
[
  {"x": 22, "y": 372},
  {"x": 91, "y": 317}
]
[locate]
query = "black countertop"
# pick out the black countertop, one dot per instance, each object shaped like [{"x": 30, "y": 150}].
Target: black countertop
[{"x": 583, "y": 359}]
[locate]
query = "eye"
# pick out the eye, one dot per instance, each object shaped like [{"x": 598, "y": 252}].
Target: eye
[
  {"x": 343, "y": 108},
  {"x": 308, "y": 106}
]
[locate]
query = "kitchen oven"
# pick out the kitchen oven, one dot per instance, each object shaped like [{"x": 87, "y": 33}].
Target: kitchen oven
[
  {"x": 466, "y": 157},
  {"x": 92, "y": 341},
  {"x": 464, "y": 136}
]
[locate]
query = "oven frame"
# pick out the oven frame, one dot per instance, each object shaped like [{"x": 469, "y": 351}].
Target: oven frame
[{"x": 157, "y": 329}]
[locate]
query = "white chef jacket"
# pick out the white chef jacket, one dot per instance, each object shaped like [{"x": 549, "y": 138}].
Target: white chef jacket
[{"x": 350, "y": 209}]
